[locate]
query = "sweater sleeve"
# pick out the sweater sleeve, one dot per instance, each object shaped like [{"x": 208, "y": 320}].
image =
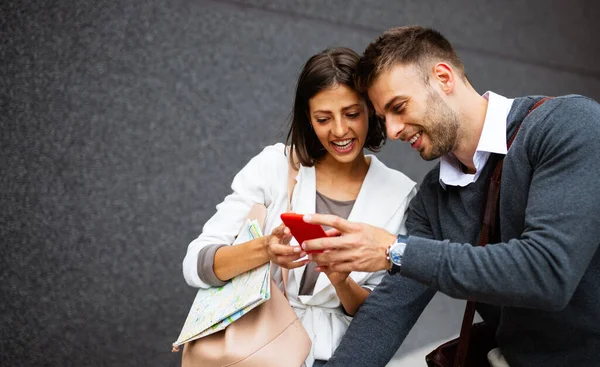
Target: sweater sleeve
[
  {"x": 542, "y": 267},
  {"x": 206, "y": 262},
  {"x": 382, "y": 323}
]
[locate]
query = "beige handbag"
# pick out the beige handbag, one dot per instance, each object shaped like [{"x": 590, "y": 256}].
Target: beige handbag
[{"x": 271, "y": 335}]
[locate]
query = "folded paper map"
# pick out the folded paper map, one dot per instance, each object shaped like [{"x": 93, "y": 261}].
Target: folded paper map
[{"x": 216, "y": 308}]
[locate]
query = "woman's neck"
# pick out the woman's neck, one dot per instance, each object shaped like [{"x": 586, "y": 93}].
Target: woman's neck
[{"x": 339, "y": 180}]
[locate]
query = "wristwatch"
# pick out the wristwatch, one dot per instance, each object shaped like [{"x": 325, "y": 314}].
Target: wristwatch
[{"x": 394, "y": 254}]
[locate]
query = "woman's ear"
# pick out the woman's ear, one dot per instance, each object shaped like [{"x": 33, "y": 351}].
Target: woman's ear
[{"x": 310, "y": 124}]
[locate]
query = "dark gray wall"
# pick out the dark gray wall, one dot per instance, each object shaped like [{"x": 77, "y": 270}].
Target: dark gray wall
[{"x": 123, "y": 123}]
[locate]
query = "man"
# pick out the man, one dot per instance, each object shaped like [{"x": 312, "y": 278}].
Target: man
[{"x": 540, "y": 285}]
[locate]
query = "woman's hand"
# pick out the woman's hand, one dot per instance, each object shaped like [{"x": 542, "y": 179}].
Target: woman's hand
[
  {"x": 335, "y": 277},
  {"x": 279, "y": 250}
]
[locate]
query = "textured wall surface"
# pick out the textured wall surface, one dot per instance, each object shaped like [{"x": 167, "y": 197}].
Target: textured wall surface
[{"x": 123, "y": 123}]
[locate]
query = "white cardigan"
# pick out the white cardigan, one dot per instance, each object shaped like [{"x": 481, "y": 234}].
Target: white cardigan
[{"x": 382, "y": 201}]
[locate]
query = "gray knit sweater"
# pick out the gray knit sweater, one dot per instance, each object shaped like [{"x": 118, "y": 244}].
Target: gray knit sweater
[{"x": 544, "y": 276}]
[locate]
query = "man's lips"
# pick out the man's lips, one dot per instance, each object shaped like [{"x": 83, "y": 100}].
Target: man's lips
[{"x": 415, "y": 140}]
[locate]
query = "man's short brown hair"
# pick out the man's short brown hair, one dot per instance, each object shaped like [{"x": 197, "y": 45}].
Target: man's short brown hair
[{"x": 405, "y": 46}]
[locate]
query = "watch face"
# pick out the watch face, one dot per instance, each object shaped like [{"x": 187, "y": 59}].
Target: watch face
[{"x": 396, "y": 254}]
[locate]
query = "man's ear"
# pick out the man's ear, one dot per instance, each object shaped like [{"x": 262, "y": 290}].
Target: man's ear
[{"x": 443, "y": 76}]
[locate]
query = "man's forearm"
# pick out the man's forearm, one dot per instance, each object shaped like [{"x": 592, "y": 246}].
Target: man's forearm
[{"x": 493, "y": 275}]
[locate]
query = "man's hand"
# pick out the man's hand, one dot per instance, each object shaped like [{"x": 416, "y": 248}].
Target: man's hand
[
  {"x": 350, "y": 246},
  {"x": 279, "y": 250}
]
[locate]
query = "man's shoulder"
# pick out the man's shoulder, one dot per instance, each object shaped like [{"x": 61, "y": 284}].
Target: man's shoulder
[
  {"x": 573, "y": 105},
  {"x": 554, "y": 105},
  {"x": 557, "y": 113},
  {"x": 561, "y": 125},
  {"x": 431, "y": 180}
]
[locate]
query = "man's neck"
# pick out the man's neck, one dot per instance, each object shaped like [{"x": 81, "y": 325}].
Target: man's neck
[{"x": 472, "y": 110}]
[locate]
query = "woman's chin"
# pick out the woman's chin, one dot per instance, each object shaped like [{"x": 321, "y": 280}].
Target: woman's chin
[{"x": 345, "y": 157}]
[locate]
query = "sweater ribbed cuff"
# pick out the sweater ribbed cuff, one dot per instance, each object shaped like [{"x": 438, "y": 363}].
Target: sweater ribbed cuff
[
  {"x": 206, "y": 261},
  {"x": 421, "y": 260}
]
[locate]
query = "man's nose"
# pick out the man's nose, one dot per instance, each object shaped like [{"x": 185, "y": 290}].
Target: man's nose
[{"x": 394, "y": 128}]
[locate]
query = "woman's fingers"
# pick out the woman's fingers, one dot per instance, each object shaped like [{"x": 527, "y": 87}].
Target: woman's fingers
[
  {"x": 333, "y": 257},
  {"x": 284, "y": 250},
  {"x": 286, "y": 239},
  {"x": 344, "y": 267},
  {"x": 295, "y": 264},
  {"x": 281, "y": 231}
]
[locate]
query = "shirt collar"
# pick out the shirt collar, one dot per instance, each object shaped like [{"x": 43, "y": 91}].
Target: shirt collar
[{"x": 492, "y": 140}]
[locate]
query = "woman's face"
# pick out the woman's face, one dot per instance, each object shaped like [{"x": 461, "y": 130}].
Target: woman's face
[{"x": 340, "y": 119}]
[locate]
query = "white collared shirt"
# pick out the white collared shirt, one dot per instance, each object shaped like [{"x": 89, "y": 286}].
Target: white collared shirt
[{"x": 492, "y": 140}]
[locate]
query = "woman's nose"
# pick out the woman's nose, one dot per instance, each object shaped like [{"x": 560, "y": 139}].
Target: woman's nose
[{"x": 340, "y": 127}]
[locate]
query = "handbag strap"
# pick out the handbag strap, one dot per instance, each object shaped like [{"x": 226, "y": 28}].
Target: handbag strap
[
  {"x": 488, "y": 230},
  {"x": 291, "y": 183}
]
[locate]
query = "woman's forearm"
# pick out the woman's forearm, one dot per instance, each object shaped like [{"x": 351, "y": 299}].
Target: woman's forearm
[
  {"x": 234, "y": 260},
  {"x": 351, "y": 295}
]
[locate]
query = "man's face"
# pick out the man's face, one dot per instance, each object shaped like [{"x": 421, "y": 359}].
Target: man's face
[{"x": 414, "y": 112}]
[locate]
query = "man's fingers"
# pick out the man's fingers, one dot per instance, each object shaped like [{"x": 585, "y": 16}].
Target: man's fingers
[
  {"x": 321, "y": 244},
  {"x": 329, "y": 220},
  {"x": 332, "y": 232}
]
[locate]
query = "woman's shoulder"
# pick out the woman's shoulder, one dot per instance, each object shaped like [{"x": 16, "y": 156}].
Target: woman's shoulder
[
  {"x": 272, "y": 156},
  {"x": 274, "y": 151},
  {"x": 267, "y": 167},
  {"x": 387, "y": 187},
  {"x": 278, "y": 149}
]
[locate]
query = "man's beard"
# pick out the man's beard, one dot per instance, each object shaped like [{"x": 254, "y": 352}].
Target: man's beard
[{"x": 441, "y": 124}]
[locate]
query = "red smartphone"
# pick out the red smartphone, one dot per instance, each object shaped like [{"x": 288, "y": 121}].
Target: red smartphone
[{"x": 301, "y": 230}]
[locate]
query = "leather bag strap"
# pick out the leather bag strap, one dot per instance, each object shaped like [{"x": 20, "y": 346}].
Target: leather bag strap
[{"x": 291, "y": 183}]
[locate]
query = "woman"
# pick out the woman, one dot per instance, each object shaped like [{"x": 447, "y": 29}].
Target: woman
[{"x": 330, "y": 127}]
